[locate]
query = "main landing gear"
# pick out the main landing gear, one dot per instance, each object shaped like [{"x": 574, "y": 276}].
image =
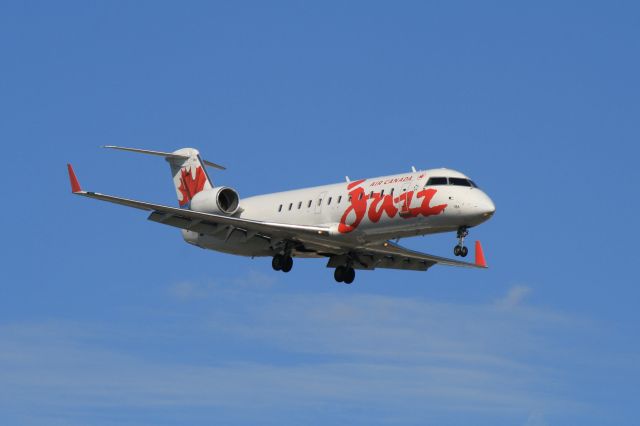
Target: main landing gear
[
  {"x": 460, "y": 249},
  {"x": 282, "y": 262},
  {"x": 344, "y": 274}
]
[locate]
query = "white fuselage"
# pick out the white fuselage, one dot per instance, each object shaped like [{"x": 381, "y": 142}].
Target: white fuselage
[{"x": 369, "y": 210}]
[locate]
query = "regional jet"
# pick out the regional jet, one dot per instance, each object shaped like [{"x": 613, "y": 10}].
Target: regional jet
[{"x": 356, "y": 224}]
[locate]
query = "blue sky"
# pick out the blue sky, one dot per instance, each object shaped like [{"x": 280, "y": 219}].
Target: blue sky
[{"x": 106, "y": 318}]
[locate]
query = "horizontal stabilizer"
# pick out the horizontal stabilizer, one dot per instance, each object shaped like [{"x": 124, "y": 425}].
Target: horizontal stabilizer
[{"x": 163, "y": 154}]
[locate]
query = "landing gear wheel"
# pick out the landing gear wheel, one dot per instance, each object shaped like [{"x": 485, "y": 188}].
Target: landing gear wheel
[
  {"x": 344, "y": 274},
  {"x": 460, "y": 249},
  {"x": 350, "y": 276},
  {"x": 288, "y": 264},
  {"x": 278, "y": 262}
]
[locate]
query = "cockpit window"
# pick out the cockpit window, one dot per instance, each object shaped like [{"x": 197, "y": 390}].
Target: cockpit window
[
  {"x": 451, "y": 181},
  {"x": 437, "y": 181},
  {"x": 459, "y": 182}
]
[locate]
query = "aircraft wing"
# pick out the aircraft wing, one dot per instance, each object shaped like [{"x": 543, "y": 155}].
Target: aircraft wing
[
  {"x": 189, "y": 219},
  {"x": 392, "y": 256}
]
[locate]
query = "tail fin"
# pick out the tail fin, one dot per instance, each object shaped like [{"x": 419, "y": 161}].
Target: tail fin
[
  {"x": 187, "y": 169},
  {"x": 189, "y": 175}
]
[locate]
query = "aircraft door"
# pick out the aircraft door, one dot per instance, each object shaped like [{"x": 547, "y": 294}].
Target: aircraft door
[
  {"x": 320, "y": 200},
  {"x": 405, "y": 196},
  {"x": 408, "y": 193}
]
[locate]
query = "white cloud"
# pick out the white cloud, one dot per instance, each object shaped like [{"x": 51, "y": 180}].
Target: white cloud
[
  {"x": 404, "y": 358},
  {"x": 195, "y": 290},
  {"x": 187, "y": 290},
  {"x": 254, "y": 279},
  {"x": 535, "y": 418},
  {"x": 514, "y": 297}
]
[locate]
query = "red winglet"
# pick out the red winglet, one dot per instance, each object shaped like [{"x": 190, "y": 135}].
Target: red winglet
[
  {"x": 480, "y": 261},
  {"x": 75, "y": 186}
]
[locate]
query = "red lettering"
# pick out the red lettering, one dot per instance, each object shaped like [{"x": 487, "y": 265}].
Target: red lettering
[
  {"x": 380, "y": 205},
  {"x": 358, "y": 207},
  {"x": 387, "y": 207},
  {"x": 405, "y": 198},
  {"x": 425, "y": 209}
]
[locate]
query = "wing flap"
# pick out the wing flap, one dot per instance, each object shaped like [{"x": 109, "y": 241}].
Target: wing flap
[
  {"x": 369, "y": 261},
  {"x": 399, "y": 253}
]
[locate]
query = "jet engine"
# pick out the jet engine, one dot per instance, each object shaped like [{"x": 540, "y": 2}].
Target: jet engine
[{"x": 220, "y": 200}]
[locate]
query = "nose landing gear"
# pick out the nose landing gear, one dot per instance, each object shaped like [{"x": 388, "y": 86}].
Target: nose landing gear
[{"x": 461, "y": 249}]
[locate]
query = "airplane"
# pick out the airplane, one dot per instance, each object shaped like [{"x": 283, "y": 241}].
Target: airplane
[{"x": 355, "y": 224}]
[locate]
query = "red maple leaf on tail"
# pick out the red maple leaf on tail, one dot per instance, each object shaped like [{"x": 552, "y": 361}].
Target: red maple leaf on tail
[{"x": 190, "y": 186}]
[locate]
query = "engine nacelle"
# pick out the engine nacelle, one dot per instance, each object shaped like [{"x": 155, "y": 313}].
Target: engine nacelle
[{"x": 221, "y": 200}]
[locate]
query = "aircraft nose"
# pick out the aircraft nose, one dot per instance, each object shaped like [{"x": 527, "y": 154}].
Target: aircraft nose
[
  {"x": 483, "y": 206},
  {"x": 487, "y": 207}
]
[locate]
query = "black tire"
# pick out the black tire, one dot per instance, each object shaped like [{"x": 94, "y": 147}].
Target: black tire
[
  {"x": 464, "y": 251},
  {"x": 287, "y": 264},
  {"x": 457, "y": 250},
  {"x": 340, "y": 273},
  {"x": 278, "y": 262},
  {"x": 350, "y": 276}
]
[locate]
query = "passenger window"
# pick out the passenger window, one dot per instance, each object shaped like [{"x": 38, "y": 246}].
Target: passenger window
[
  {"x": 329, "y": 201},
  {"x": 360, "y": 196},
  {"x": 437, "y": 181},
  {"x": 349, "y": 198},
  {"x": 459, "y": 182},
  {"x": 382, "y": 193},
  {"x": 339, "y": 199},
  {"x": 371, "y": 194},
  {"x": 290, "y": 205},
  {"x": 309, "y": 205},
  {"x": 280, "y": 208},
  {"x": 299, "y": 205},
  {"x": 319, "y": 201},
  {"x": 392, "y": 191}
]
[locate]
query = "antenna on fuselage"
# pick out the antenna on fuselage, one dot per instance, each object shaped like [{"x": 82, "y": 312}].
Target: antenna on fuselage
[
  {"x": 413, "y": 169},
  {"x": 347, "y": 179}
]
